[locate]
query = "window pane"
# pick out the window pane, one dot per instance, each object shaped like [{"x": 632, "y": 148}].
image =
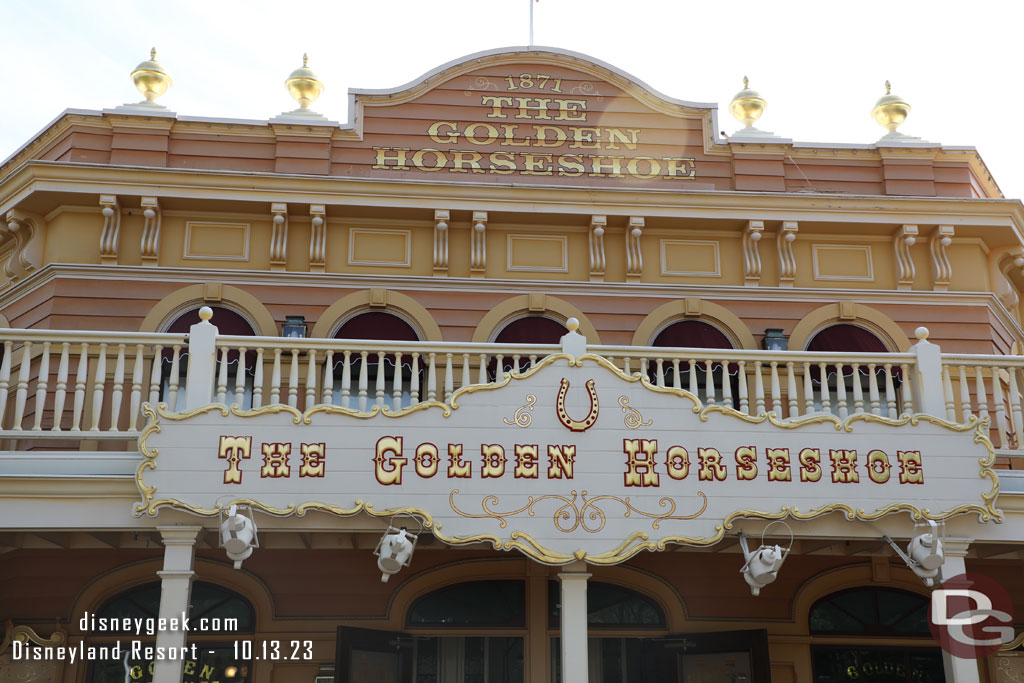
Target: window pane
[
  {"x": 610, "y": 606},
  {"x": 872, "y": 611},
  {"x": 474, "y": 603},
  {"x": 504, "y": 660}
]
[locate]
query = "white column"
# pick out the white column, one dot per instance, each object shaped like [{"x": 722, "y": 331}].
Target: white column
[
  {"x": 957, "y": 670},
  {"x": 175, "y": 592},
  {"x": 574, "y": 623},
  {"x": 202, "y": 358}
]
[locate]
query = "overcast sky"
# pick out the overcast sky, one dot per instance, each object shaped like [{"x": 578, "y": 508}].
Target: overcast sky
[{"x": 820, "y": 65}]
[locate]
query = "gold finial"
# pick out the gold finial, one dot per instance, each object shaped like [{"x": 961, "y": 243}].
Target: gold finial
[
  {"x": 151, "y": 79},
  {"x": 304, "y": 86},
  {"x": 747, "y": 105},
  {"x": 890, "y": 111}
]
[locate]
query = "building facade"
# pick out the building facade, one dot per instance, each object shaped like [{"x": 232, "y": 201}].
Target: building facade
[{"x": 531, "y": 342}]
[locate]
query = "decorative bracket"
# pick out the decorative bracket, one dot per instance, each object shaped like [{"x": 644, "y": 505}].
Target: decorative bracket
[
  {"x": 597, "y": 260},
  {"x": 318, "y": 239},
  {"x": 110, "y": 238},
  {"x": 634, "y": 259},
  {"x": 279, "y": 236},
  {"x": 26, "y": 229},
  {"x": 942, "y": 270},
  {"x": 150, "y": 248},
  {"x": 751, "y": 256},
  {"x": 787, "y": 261},
  {"x": 441, "y": 218},
  {"x": 478, "y": 245},
  {"x": 904, "y": 239}
]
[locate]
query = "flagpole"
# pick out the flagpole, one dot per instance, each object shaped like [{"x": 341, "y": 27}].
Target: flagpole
[{"x": 531, "y": 21}]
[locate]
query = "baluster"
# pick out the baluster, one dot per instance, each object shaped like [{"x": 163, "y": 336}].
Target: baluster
[
  {"x": 156, "y": 375},
  {"x": 694, "y": 385},
  {"x": 741, "y": 383},
  {"x": 346, "y": 379},
  {"x": 776, "y": 389},
  {"x": 293, "y": 380},
  {"x": 644, "y": 368},
  {"x": 808, "y": 389},
  {"x": 481, "y": 377},
  {"x": 625, "y": 365},
  {"x": 908, "y": 397},
  {"x": 1016, "y": 409},
  {"x": 239, "y": 400},
  {"x": 794, "y": 403},
  {"x": 758, "y": 389},
  {"x": 414, "y": 385},
  {"x": 844, "y": 409},
  {"x": 432, "y": 376},
  {"x": 62, "y": 387},
  {"x": 890, "y": 392},
  {"x": 965, "y": 395},
  {"x": 364, "y": 380},
  {"x": 515, "y": 364},
  {"x": 466, "y": 375},
  {"x": 533, "y": 359},
  {"x": 876, "y": 408},
  {"x": 826, "y": 398},
  {"x": 858, "y": 390},
  {"x": 310, "y": 381},
  {"x": 449, "y": 379},
  {"x": 726, "y": 386},
  {"x": 41, "y": 385},
  {"x": 135, "y": 400},
  {"x": 1000, "y": 408},
  {"x": 21, "y": 396},
  {"x": 979, "y": 389},
  {"x": 396, "y": 383},
  {"x": 710, "y": 393},
  {"x": 275, "y": 379},
  {"x": 5, "y": 380},
  {"x": 660, "y": 372},
  {"x": 947, "y": 391},
  {"x": 381, "y": 376},
  {"x": 327, "y": 397},
  {"x": 117, "y": 394},
  {"x": 175, "y": 378},
  {"x": 499, "y": 373},
  {"x": 222, "y": 377},
  {"x": 100, "y": 379},
  {"x": 257, "y": 380},
  {"x": 676, "y": 379},
  {"x": 81, "y": 377}
]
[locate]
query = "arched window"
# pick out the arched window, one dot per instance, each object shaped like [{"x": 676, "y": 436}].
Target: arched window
[
  {"x": 491, "y": 604},
  {"x": 873, "y": 613},
  {"x": 218, "y": 617},
  {"x": 531, "y": 329},
  {"x": 377, "y": 326},
  {"x": 696, "y": 334},
  {"x": 610, "y": 606},
  {"x": 847, "y": 338}
]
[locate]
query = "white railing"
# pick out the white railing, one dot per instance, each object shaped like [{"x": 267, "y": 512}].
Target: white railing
[{"x": 983, "y": 386}]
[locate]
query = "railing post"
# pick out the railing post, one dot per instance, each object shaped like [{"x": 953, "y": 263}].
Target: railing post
[
  {"x": 573, "y": 343},
  {"x": 927, "y": 376},
  {"x": 202, "y": 351}
]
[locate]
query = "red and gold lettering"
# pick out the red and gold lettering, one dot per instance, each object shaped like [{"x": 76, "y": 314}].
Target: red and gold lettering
[
  {"x": 494, "y": 460},
  {"x": 312, "y": 459},
  {"x": 275, "y": 460},
  {"x": 456, "y": 468},
  {"x": 711, "y": 467},
  {"x": 810, "y": 464},
  {"x": 677, "y": 462},
  {"x": 878, "y": 466},
  {"x": 634, "y": 463},
  {"x": 234, "y": 449},
  {"x": 911, "y": 468},
  {"x": 526, "y": 462},
  {"x": 427, "y": 460},
  {"x": 561, "y": 459},
  {"x": 746, "y": 463},
  {"x": 393, "y": 473},
  {"x": 778, "y": 464},
  {"x": 844, "y": 466}
]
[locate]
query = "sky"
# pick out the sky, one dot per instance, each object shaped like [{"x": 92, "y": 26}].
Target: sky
[{"x": 820, "y": 65}]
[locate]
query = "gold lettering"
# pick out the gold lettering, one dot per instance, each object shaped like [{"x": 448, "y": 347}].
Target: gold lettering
[
  {"x": 844, "y": 466},
  {"x": 634, "y": 463},
  {"x": 633, "y": 167},
  {"x": 585, "y": 138},
  {"x": 534, "y": 164},
  {"x": 561, "y": 460},
  {"x": 677, "y": 462},
  {"x": 570, "y": 165},
  {"x": 494, "y": 460},
  {"x": 392, "y": 445},
  {"x": 567, "y": 108},
  {"x": 190, "y": 667},
  {"x": 435, "y": 129},
  {"x": 810, "y": 464},
  {"x": 275, "y": 460},
  {"x": 746, "y": 463},
  {"x": 312, "y": 459},
  {"x": 395, "y": 154},
  {"x": 711, "y": 467},
  {"x": 440, "y": 159},
  {"x": 540, "y": 106},
  {"x": 508, "y": 132},
  {"x": 234, "y": 449},
  {"x": 470, "y": 133},
  {"x": 599, "y": 164},
  {"x": 681, "y": 167},
  {"x": 616, "y": 135},
  {"x": 456, "y": 468},
  {"x": 778, "y": 464},
  {"x": 526, "y": 462},
  {"x": 911, "y": 471},
  {"x": 426, "y": 460},
  {"x": 878, "y": 466},
  {"x": 542, "y": 136},
  {"x": 496, "y": 103},
  {"x": 502, "y": 163},
  {"x": 464, "y": 158}
]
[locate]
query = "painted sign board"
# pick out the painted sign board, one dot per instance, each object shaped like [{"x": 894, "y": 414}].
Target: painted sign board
[{"x": 572, "y": 459}]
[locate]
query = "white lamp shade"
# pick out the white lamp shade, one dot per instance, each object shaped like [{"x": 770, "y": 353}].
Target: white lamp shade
[{"x": 926, "y": 550}]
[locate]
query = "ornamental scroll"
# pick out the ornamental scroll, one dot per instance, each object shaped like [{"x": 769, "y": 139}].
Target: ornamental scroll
[{"x": 570, "y": 460}]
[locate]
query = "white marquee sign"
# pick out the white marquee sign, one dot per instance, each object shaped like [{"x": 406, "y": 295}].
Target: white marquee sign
[{"x": 572, "y": 460}]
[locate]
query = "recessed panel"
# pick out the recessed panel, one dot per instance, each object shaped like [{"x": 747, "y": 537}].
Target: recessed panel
[
  {"x": 849, "y": 262},
  {"x": 216, "y": 241},
  {"x": 538, "y": 253},
  {"x": 379, "y": 247},
  {"x": 690, "y": 257}
]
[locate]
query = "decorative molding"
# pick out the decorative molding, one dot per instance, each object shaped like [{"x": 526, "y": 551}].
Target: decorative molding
[
  {"x": 279, "y": 236},
  {"x": 904, "y": 238},
  {"x": 787, "y": 261},
  {"x": 751, "y": 255},
  {"x": 562, "y": 245},
  {"x": 441, "y": 218},
  {"x": 598, "y": 225},
  {"x": 110, "y": 238},
  {"x": 192, "y": 251},
  {"x": 821, "y": 272},
  {"x": 942, "y": 269},
  {"x": 26, "y": 254},
  {"x": 478, "y": 245},
  {"x": 403, "y": 260},
  {"x": 318, "y": 238},
  {"x": 634, "y": 258},
  {"x": 150, "y": 247},
  {"x": 715, "y": 271}
]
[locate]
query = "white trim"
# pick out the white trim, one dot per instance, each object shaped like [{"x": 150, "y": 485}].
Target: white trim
[
  {"x": 563, "y": 243},
  {"x": 352, "y": 261},
  {"x": 870, "y": 277},
  {"x": 717, "y": 272},
  {"x": 187, "y": 251}
]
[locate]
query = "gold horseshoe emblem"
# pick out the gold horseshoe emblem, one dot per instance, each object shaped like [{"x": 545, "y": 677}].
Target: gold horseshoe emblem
[{"x": 563, "y": 417}]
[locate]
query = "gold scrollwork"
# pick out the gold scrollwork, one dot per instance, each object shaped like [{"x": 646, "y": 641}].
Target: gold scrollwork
[
  {"x": 522, "y": 417},
  {"x": 563, "y": 417},
  {"x": 480, "y": 83},
  {"x": 585, "y": 514},
  {"x": 633, "y": 419},
  {"x": 585, "y": 88}
]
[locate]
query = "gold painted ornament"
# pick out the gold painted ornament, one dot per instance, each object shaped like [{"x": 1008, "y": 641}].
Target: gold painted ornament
[{"x": 151, "y": 79}]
